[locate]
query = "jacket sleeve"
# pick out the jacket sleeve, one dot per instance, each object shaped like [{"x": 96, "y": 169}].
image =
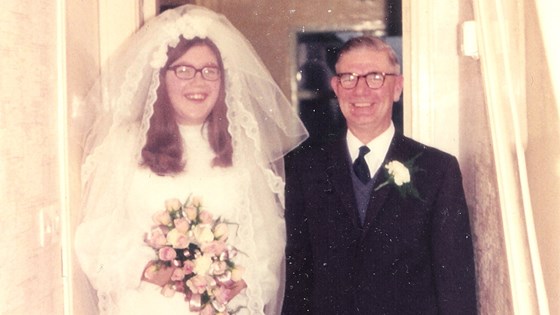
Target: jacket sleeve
[
  {"x": 452, "y": 249},
  {"x": 299, "y": 258}
]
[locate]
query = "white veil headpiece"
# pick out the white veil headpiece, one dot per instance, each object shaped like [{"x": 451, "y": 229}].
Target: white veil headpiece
[
  {"x": 128, "y": 85},
  {"x": 262, "y": 123}
]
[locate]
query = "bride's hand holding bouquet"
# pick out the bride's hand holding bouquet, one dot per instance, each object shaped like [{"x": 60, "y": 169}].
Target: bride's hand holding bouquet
[{"x": 193, "y": 257}]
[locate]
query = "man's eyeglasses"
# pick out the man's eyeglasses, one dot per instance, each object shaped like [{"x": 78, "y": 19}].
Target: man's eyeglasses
[
  {"x": 183, "y": 72},
  {"x": 374, "y": 80}
]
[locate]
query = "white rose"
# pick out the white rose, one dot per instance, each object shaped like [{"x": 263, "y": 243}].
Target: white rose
[
  {"x": 196, "y": 201},
  {"x": 172, "y": 205},
  {"x": 202, "y": 264},
  {"x": 400, "y": 173},
  {"x": 203, "y": 234},
  {"x": 221, "y": 232},
  {"x": 177, "y": 239}
]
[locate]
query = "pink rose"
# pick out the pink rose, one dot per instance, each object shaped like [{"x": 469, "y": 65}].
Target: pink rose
[
  {"x": 180, "y": 286},
  {"x": 205, "y": 217},
  {"x": 196, "y": 201},
  {"x": 177, "y": 239},
  {"x": 188, "y": 267},
  {"x": 156, "y": 238},
  {"x": 194, "y": 300},
  {"x": 181, "y": 225},
  {"x": 173, "y": 205},
  {"x": 167, "y": 253},
  {"x": 178, "y": 274},
  {"x": 222, "y": 294},
  {"x": 162, "y": 217},
  {"x": 197, "y": 284},
  {"x": 191, "y": 213}
]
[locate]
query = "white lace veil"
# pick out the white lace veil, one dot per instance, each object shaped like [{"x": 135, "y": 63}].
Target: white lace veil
[{"x": 262, "y": 123}]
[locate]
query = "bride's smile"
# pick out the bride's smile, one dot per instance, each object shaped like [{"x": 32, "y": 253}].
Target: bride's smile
[{"x": 193, "y": 98}]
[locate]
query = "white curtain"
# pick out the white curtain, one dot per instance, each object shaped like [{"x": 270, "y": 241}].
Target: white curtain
[
  {"x": 547, "y": 11},
  {"x": 501, "y": 41}
]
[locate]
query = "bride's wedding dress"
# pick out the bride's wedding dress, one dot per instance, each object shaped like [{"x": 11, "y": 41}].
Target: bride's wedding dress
[
  {"x": 119, "y": 197},
  {"x": 223, "y": 192},
  {"x": 219, "y": 189}
]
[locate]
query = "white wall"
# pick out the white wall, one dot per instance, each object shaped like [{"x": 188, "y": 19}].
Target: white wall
[{"x": 31, "y": 271}]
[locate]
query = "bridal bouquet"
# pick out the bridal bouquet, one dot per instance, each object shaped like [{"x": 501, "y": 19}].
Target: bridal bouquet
[{"x": 187, "y": 238}]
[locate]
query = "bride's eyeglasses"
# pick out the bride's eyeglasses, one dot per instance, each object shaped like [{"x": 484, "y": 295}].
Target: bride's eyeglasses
[{"x": 184, "y": 72}]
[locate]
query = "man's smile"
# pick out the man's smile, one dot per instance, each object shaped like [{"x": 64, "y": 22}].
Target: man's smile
[{"x": 362, "y": 104}]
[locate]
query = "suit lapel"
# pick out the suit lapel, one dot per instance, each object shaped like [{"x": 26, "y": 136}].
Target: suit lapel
[
  {"x": 379, "y": 197},
  {"x": 338, "y": 175}
]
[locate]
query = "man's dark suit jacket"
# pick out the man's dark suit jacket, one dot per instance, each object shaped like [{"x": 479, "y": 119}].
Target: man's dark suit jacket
[{"x": 410, "y": 256}]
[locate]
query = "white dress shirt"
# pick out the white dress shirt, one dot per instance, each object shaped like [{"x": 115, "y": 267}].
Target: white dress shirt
[{"x": 378, "y": 148}]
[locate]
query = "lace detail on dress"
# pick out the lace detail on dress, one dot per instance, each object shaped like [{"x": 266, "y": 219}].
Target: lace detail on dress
[{"x": 246, "y": 237}]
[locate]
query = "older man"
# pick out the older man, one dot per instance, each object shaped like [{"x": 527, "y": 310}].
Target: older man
[{"x": 377, "y": 223}]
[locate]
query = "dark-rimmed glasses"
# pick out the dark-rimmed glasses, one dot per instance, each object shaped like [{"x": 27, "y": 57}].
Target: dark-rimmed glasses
[
  {"x": 184, "y": 72},
  {"x": 374, "y": 80}
]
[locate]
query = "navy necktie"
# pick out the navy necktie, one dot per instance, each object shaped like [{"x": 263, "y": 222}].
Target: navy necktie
[{"x": 360, "y": 166}]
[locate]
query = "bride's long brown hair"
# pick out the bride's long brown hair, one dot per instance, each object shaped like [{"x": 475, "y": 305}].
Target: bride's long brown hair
[{"x": 163, "y": 151}]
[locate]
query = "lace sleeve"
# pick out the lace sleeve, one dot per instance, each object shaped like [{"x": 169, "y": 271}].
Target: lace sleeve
[{"x": 109, "y": 248}]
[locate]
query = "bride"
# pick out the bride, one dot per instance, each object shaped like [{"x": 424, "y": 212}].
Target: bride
[{"x": 186, "y": 110}]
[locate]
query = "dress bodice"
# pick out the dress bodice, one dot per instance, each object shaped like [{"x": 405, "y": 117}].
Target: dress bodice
[
  {"x": 239, "y": 194},
  {"x": 219, "y": 188}
]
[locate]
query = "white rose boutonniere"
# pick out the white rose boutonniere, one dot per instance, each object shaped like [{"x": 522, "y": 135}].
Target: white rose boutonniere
[
  {"x": 399, "y": 172},
  {"x": 399, "y": 175}
]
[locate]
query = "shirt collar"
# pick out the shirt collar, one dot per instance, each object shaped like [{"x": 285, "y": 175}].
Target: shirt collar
[{"x": 378, "y": 147}]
